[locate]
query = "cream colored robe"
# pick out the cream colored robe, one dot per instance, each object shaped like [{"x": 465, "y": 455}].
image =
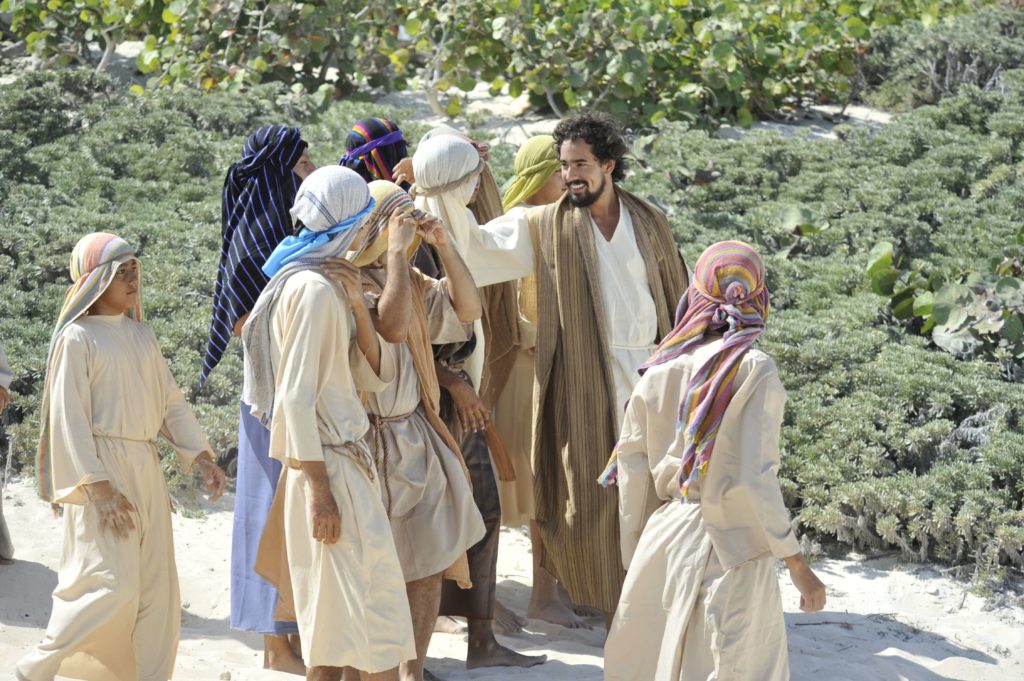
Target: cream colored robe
[
  {"x": 701, "y": 598},
  {"x": 423, "y": 484},
  {"x": 349, "y": 597},
  {"x": 116, "y": 609}
]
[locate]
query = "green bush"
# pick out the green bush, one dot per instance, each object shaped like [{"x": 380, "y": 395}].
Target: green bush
[{"x": 888, "y": 442}]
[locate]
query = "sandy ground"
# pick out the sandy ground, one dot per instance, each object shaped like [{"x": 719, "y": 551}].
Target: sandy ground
[{"x": 885, "y": 621}]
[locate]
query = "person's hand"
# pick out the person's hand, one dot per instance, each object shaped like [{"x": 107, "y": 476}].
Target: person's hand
[
  {"x": 472, "y": 413},
  {"x": 5, "y": 399},
  {"x": 483, "y": 149},
  {"x": 348, "y": 275},
  {"x": 812, "y": 590},
  {"x": 214, "y": 478},
  {"x": 401, "y": 230},
  {"x": 114, "y": 508},
  {"x": 431, "y": 229},
  {"x": 326, "y": 517},
  {"x": 402, "y": 172}
]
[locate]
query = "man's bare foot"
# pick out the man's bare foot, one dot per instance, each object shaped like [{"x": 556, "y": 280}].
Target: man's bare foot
[
  {"x": 449, "y": 625},
  {"x": 587, "y": 611},
  {"x": 493, "y": 654},
  {"x": 279, "y": 656},
  {"x": 506, "y": 621},
  {"x": 556, "y": 613}
]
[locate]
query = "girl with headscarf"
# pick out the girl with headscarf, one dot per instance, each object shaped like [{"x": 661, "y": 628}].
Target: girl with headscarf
[
  {"x": 425, "y": 489},
  {"x": 701, "y": 598},
  {"x": 310, "y": 347},
  {"x": 259, "y": 190},
  {"x": 107, "y": 395}
]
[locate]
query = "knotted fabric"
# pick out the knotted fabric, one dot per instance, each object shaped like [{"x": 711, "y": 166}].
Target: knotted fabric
[
  {"x": 727, "y": 294},
  {"x": 333, "y": 203},
  {"x": 258, "y": 191},
  {"x": 374, "y": 147},
  {"x": 94, "y": 263},
  {"x": 536, "y": 161}
]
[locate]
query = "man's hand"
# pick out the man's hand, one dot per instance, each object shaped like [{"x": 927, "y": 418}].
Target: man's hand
[
  {"x": 214, "y": 478},
  {"x": 114, "y": 508},
  {"x": 431, "y": 229},
  {"x": 348, "y": 275},
  {"x": 812, "y": 591},
  {"x": 5, "y": 399},
  {"x": 402, "y": 172},
  {"x": 401, "y": 230},
  {"x": 472, "y": 413},
  {"x": 326, "y": 517}
]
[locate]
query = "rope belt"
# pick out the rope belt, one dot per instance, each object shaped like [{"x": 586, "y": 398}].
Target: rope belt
[
  {"x": 356, "y": 453},
  {"x": 381, "y": 451}
]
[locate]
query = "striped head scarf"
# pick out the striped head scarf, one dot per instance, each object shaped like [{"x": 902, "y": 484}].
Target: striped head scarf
[
  {"x": 373, "y": 148},
  {"x": 94, "y": 262},
  {"x": 390, "y": 198},
  {"x": 536, "y": 161},
  {"x": 258, "y": 191},
  {"x": 727, "y": 293}
]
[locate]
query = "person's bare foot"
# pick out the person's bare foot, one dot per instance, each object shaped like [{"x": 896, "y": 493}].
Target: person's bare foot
[
  {"x": 279, "y": 656},
  {"x": 587, "y": 611},
  {"x": 506, "y": 621},
  {"x": 493, "y": 654},
  {"x": 449, "y": 625},
  {"x": 557, "y": 613}
]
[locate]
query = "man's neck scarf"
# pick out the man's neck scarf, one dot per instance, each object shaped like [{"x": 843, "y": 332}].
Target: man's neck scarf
[
  {"x": 727, "y": 293},
  {"x": 536, "y": 161},
  {"x": 258, "y": 191},
  {"x": 94, "y": 263},
  {"x": 373, "y": 149},
  {"x": 334, "y": 203}
]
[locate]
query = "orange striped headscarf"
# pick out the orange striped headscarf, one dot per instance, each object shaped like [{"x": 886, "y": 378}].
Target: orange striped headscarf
[
  {"x": 727, "y": 293},
  {"x": 373, "y": 148},
  {"x": 94, "y": 262}
]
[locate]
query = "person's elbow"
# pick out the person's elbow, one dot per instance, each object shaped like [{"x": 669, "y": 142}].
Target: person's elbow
[
  {"x": 469, "y": 312},
  {"x": 393, "y": 333}
]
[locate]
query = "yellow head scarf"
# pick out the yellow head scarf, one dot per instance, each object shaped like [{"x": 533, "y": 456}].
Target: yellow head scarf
[{"x": 536, "y": 162}]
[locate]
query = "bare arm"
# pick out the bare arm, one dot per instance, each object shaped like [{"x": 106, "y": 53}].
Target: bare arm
[
  {"x": 351, "y": 279},
  {"x": 394, "y": 309},
  {"x": 461, "y": 287},
  {"x": 326, "y": 517},
  {"x": 472, "y": 413}
]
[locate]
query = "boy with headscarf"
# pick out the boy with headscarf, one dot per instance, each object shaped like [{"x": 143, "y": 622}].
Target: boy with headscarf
[
  {"x": 425, "y": 486},
  {"x": 258, "y": 192},
  {"x": 107, "y": 395},
  {"x": 305, "y": 360},
  {"x": 701, "y": 598}
]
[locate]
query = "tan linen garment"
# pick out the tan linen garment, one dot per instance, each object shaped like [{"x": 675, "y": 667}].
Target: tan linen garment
[
  {"x": 577, "y": 413},
  {"x": 116, "y": 609},
  {"x": 701, "y": 598},
  {"x": 349, "y": 597},
  {"x": 425, "y": 486}
]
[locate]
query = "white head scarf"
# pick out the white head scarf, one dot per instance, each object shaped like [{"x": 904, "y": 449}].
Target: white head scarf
[
  {"x": 333, "y": 203},
  {"x": 447, "y": 168}
]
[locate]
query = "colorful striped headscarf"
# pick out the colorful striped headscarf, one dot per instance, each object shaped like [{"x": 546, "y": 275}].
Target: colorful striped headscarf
[
  {"x": 94, "y": 262},
  {"x": 258, "y": 192},
  {"x": 727, "y": 292},
  {"x": 390, "y": 198},
  {"x": 374, "y": 147},
  {"x": 536, "y": 161}
]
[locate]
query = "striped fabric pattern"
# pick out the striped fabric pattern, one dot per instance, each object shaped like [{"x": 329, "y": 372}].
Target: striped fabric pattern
[
  {"x": 727, "y": 292},
  {"x": 374, "y": 162},
  {"x": 258, "y": 192},
  {"x": 94, "y": 262}
]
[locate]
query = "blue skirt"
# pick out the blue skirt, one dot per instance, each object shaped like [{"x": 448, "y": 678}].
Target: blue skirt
[{"x": 253, "y": 599}]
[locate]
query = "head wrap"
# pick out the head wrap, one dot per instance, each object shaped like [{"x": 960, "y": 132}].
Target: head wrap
[
  {"x": 374, "y": 147},
  {"x": 536, "y": 161},
  {"x": 389, "y": 198},
  {"x": 447, "y": 168},
  {"x": 94, "y": 263},
  {"x": 258, "y": 191},
  {"x": 333, "y": 203},
  {"x": 727, "y": 292}
]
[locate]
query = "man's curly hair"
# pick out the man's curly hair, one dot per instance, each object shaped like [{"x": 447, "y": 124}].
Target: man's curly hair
[{"x": 602, "y": 132}]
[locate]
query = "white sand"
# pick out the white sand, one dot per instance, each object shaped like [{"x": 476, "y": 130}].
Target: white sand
[{"x": 885, "y": 621}]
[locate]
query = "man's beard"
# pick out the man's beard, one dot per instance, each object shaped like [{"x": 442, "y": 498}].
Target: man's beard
[{"x": 582, "y": 201}]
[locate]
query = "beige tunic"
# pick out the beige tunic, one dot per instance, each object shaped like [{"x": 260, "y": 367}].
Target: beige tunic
[
  {"x": 349, "y": 597},
  {"x": 116, "y": 611},
  {"x": 701, "y": 598},
  {"x": 433, "y": 516}
]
